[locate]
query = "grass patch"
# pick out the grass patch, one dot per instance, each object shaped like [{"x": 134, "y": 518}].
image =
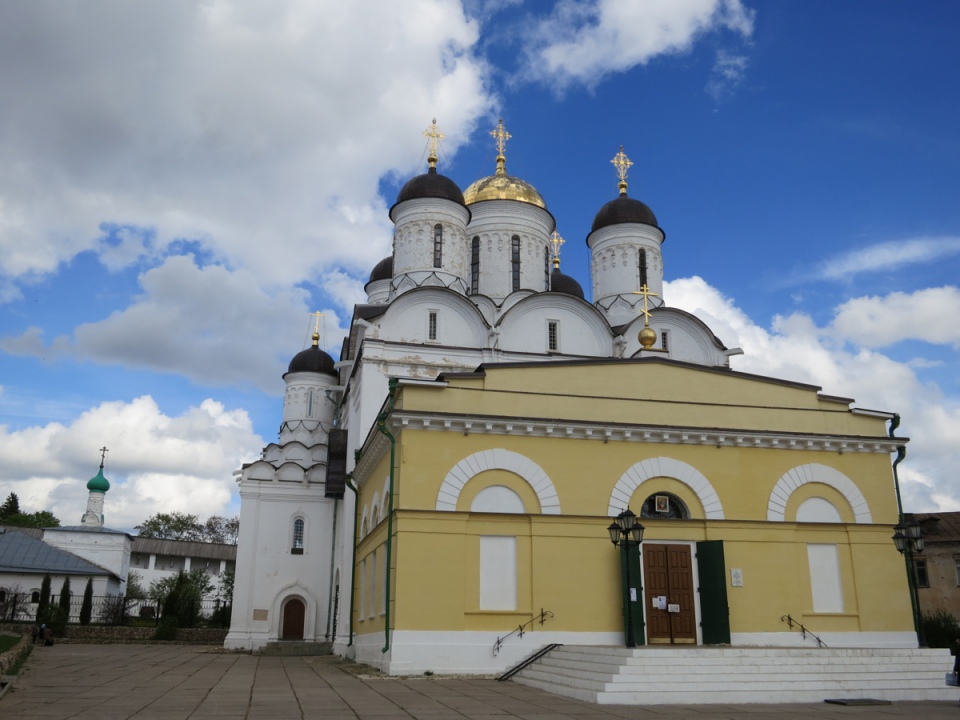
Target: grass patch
[{"x": 8, "y": 641}]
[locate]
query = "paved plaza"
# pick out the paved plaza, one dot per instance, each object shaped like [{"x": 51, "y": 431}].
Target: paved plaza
[{"x": 174, "y": 682}]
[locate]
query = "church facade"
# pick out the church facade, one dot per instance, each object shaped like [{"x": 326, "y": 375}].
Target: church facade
[{"x": 495, "y": 420}]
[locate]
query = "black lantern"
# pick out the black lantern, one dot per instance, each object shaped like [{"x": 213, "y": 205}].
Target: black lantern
[
  {"x": 908, "y": 537},
  {"x": 626, "y": 532}
]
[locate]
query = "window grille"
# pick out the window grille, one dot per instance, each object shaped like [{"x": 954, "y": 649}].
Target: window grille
[
  {"x": 438, "y": 245},
  {"x": 432, "y": 326},
  {"x": 552, "y": 335},
  {"x": 516, "y": 262},
  {"x": 297, "y": 537},
  {"x": 665, "y": 340},
  {"x": 475, "y": 266}
]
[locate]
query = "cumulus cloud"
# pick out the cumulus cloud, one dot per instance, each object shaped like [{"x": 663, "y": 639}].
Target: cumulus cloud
[
  {"x": 582, "y": 41},
  {"x": 215, "y": 326},
  {"x": 885, "y": 256},
  {"x": 877, "y": 322},
  {"x": 727, "y": 73},
  {"x": 795, "y": 348},
  {"x": 156, "y": 463},
  {"x": 246, "y": 126}
]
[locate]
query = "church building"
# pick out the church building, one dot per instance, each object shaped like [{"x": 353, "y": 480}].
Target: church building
[{"x": 439, "y": 498}]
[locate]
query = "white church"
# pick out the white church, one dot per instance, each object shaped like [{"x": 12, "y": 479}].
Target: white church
[{"x": 451, "y": 477}]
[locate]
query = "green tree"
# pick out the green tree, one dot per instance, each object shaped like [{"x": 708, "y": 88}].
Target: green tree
[
  {"x": 44, "y": 596},
  {"x": 219, "y": 529},
  {"x": 86, "y": 607},
  {"x": 135, "y": 589},
  {"x": 64, "y": 602},
  {"x": 40, "y": 519},
  {"x": 188, "y": 589},
  {"x": 11, "y": 506},
  {"x": 171, "y": 526}
]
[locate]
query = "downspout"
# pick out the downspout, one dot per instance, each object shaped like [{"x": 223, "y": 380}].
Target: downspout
[
  {"x": 333, "y": 562},
  {"x": 907, "y": 559},
  {"x": 353, "y": 562},
  {"x": 382, "y": 427}
]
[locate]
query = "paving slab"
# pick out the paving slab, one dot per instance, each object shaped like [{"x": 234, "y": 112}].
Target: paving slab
[{"x": 171, "y": 682}]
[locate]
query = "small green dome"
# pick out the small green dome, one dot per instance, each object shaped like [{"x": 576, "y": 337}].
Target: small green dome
[{"x": 98, "y": 483}]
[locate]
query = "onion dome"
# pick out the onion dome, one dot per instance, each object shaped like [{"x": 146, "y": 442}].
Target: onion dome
[
  {"x": 624, "y": 209},
  {"x": 430, "y": 185},
  {"x": 560, "y": 282},
  {"x": 313, "y": 360},
  {"x": 383, "y": 270},
  {"x": 501, "y": 186},
  {"x": 98, "y": 483}
]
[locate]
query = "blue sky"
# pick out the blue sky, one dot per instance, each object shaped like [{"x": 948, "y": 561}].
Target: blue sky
[{"x": 181, "y": 184}]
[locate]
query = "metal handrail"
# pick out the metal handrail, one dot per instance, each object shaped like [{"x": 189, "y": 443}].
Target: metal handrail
[
  {"x": 541, "y": 618},
  {"x": 529, "y": 661},
  {"x": 803, "y": 631}
]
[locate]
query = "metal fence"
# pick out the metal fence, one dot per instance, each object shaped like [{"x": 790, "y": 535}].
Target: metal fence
[{"x": 105, "y": 609}]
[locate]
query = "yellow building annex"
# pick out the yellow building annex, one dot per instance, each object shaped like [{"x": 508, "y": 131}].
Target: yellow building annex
[{"x": 504, "y": 480}]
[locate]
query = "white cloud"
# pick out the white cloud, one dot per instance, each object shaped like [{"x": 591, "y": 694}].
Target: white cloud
[
  {"x": 887, "y": 256},
  {"x": 156, "y": 463},
  {"x": 795, "y": 348},
  {"x": 212, "y": 325},
  {"x": 581, "y": 42},
  {"x": 727, "y": 73},
  {"x": 249, "y": 126},
  {"x": 876, "y": 322}
]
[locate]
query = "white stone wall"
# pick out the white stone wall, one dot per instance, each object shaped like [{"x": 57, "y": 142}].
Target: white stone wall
[
  {"x": 111, "y": 551},
  {"x": 615, "y": 273},
  {"x": 413, "y": 244}
]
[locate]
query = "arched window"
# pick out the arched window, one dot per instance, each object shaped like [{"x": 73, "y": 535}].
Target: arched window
[
  {"x": 515, "y": 263},
  {"x": 475, "y": 266},
  {"x": 34, "y": 596},
  {"x": 438, "y": 245},
  {"x": 297, "y": 547},
  {"x": 546, "y": 268},
  {"x": 664, "y": 506},
  {"x": 310, "y": 404},
  {"x": 642, "y": 267},
  {"x": 3, "y": 596}
]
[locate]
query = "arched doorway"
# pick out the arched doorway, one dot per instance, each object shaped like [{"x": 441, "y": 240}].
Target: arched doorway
[{"x": 294, "y": 612}]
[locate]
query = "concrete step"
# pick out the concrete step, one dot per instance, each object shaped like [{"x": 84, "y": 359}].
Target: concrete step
[
  {"x": 654, "y": 675},
  {"x": 294, "y": 648}
]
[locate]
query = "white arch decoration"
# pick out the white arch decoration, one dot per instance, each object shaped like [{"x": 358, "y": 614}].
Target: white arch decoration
[
  {"x": 498, "y": 459},
  {"x": 665, "y": 467},
  {"x": 814, "y": 472}
]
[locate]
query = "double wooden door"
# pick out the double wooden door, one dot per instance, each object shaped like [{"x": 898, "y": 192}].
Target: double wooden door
[
  {"x": 294, "y": 613},
  {"x": 668, "y": 573}
]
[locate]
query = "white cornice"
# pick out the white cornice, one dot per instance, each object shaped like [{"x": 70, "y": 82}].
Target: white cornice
[{"x": 660, "y": 434}]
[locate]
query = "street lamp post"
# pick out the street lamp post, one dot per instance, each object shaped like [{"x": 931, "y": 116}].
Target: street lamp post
[
  {"x": 908, "y": 538},
  {"x": 624, "y": 532}
]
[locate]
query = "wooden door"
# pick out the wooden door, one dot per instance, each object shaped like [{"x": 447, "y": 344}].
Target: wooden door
[
  {"x": 668, "y": 572},
  {"x": 293, "y": 616}
]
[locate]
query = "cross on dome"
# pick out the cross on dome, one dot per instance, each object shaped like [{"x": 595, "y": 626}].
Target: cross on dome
[
  {"x": 501, "y": 136},
  {"x": 434, "y": 136},
  {"x": 555, "y": 242},
  {"x": 622, "y": 163},
  {"x": 645, "y": 291},
  {"x": 103, "y": 455}
]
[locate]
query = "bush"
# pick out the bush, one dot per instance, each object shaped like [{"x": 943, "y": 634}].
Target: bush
[
  {"x": 55, "y": 618},
  {"x": 86, "y": 607},
  {"x": 941, "y": 628},
  {"x": 167, "y": 629}
]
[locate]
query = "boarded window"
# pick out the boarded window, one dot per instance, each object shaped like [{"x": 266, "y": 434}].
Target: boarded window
[
  {"x": 825, "y": 581},
  {"x": 498, "y": 572}
]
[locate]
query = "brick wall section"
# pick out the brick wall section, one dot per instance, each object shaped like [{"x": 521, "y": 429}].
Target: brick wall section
[
  {"x": 98, "y": 634},
  {"x": 10, "y": 657}
]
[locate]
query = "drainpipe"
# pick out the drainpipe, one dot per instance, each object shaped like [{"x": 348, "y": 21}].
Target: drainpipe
[
  {"x": 333, "y": 562},
  {"x": 382, "y": 427},
  {"x": 353, "y": 562},
  {"x": 907, "y": 557}
]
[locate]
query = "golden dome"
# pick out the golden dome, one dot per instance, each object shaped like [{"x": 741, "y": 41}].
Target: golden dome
[{"x": 501, "y": 186}]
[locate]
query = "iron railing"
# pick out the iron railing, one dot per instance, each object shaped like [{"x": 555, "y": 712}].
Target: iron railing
[
  {"x": 105, "y": 609},
  {"x": 529, "y": 661},
  {"x": 803, "y": 631},
  {"x": 521, "y": 630}
]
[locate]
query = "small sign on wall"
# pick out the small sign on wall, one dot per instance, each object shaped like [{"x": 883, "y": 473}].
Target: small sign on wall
[
  {"x": 673, "y": 608},
  {"x": 659, "y": 602},
  {"x": 259, "y": 614},
  {"x": 633, "y": 594},
  {"x": 736, "y": 577}
]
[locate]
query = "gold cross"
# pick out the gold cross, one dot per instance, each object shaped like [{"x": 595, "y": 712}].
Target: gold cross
[
  {"x": 501, "y": 136},
  {"x": 622, "y": 163},
  {"x": 434, "y": 136},
  {"x": 556, "y": 241},
  {"x": 316, "y": 328},
  {"x": 103, "y": 455},
  {"x": 645, "y": 291}
]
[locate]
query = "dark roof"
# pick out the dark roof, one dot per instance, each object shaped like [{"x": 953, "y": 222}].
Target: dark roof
[
  {"x": 20, "y": 553},
  {"x": 86, "y": 529},
  {"x": 624, "y": 210},
  {"x": 183, "y": 548},
  {"x": 430, "y": 185},
  {"x": 565, "y": 284},
  {"x": 383, "y": 270},
  {"x": 313, "y": 360},
  {"x": 939, "y": 527}
]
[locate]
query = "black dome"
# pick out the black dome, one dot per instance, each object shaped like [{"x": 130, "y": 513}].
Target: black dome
[
  {"x": 314, "y": 360},
  {"x": 431, "y": 185},
  {"x": 383, "y": 270},
  {"x": 624, "y": 210},
  {"x": 565, "y": 284}
]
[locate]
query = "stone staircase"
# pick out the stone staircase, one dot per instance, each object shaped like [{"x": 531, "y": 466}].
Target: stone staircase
[
  {"x": 695, "y": 675},
  {"x": 291, "y": 648}
]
